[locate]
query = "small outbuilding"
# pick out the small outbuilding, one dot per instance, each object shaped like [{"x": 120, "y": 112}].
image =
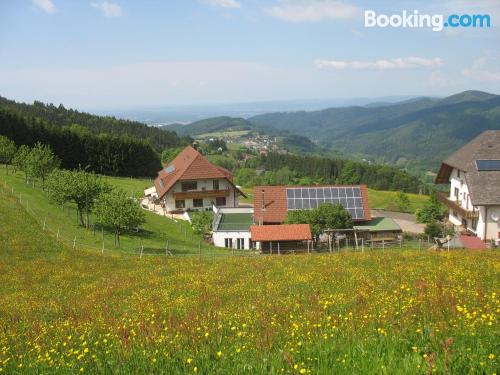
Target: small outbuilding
[{"x": 281, "y": 238}]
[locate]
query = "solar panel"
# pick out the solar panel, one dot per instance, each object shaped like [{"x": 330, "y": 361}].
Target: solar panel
[
  {"x": 307, "y": 198},
  {"x": 170, "y": 168},
  {"x": 488, "y": 165}
]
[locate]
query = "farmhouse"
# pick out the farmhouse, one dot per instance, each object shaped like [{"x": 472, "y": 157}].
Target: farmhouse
[
  {"x": 272, "y": 203},
  {"x": 191, "y": 182},
  {"x": 473, "y": 173}
]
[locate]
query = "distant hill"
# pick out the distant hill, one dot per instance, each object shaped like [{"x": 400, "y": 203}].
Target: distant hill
[
  {"x": 415, "y": 134},
  {"x": 290, "y": 141},
  {"x": 64, "y": 117}
]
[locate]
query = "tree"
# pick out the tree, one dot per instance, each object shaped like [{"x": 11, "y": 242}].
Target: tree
[
  {"x": 81, "y": 187},
  {"x": 326, "y": 216},
  {"x": 403, "y": 202},
  {"x": 7, "y": 151},
  {"x": 115, "y": 209},
  {"x": 433, "y": 229},
  {"x": 432, "y": 211},
  {"x": 41, "y": 161},
  {"x": 20, "y": 160},
  {"x": 202, "y": 222}
]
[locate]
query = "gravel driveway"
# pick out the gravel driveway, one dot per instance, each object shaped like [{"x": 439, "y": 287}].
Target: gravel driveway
[{"x": 407, "y": 222}]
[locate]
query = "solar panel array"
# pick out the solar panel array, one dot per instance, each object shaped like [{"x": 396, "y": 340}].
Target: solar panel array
[
  {"x": 348, "y": 196},
  {"x": 488, "y": 165}
]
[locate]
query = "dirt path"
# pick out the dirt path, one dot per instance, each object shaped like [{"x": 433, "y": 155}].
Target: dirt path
[{"x": 407, "y": 222}]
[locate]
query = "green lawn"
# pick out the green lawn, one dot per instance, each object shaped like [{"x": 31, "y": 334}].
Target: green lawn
[
  {"x": 386, "y": 200},
  {"x": 153, "y": 236}
]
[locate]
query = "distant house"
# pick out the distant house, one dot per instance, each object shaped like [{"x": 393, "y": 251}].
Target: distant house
[
  {"x": 473, "y": 173},
  {"x": 272, "y": 203},
  {"x": 231, "y": 227},
  {"x": 191, "y": 182}
]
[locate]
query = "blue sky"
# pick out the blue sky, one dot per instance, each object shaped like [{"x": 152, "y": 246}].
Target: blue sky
[{"x": 124, "y": 53}]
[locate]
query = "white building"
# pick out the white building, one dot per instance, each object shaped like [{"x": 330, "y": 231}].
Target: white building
[
  {"x": 191, "y": 182},
  {"x": 231, "y": 227},
  {"x": 474, "y": 176}
]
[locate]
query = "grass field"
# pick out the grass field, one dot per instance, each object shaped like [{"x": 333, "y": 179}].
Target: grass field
[
  {"x": 75, "y": 311},
  {"x": 387, "y": 200},
  {"x": 154, "y": 234}
]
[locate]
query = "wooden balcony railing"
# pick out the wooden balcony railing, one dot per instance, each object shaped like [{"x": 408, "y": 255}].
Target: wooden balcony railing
[
  {"x": 443, "y": 198},
  {"x": 197, "y": 194}
]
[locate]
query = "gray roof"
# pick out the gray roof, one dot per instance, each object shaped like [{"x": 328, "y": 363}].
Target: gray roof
[{"x": 484, "y": 186}]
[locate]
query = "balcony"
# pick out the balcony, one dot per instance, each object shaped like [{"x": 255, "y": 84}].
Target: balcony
[
  {"x": 198, "y": 194},
  {"x": 443, "y": 198}
]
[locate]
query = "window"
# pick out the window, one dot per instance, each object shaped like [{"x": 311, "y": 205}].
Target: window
[
  {"x": 220, "y": 201},
  {"x": 240, "y": 243},
  {"x": 474, "y": 224},
  {"x": 190, "y": 185},
  {"x": 228, "y": 242},
  {"x": 197, "y": 202},
  {"x": 456, "y": 193},
  {"x": 180, "y": 203},
  {"x": 215, "y": 184}
]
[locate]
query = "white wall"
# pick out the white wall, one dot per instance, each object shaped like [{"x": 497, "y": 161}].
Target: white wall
[
  {"x": 231, "y": 199},
  {"x": 220, "y": 236},
  {"x": 463, "y": 200}
]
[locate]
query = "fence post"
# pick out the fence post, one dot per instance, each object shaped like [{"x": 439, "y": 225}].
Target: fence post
[
  {"x": 142, "y": 250},
  {"x": 363, "y": 245},
  {"x": 74, "y": 242},
  {"x": 102, "y": 250},
  {"x": 57, "y": 237},
  {"x": 44, "y": 221}
]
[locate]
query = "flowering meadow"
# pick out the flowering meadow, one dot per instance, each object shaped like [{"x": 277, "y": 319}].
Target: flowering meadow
[{"x": 66, "y": 310}]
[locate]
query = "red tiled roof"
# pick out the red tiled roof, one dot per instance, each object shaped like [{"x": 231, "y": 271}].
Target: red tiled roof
[
  {"x": 275, "y": 208},
  {"x": 188, "y": 165},
  {"x": 471, "y": 242},
  {"x": 285, "y": 232}
]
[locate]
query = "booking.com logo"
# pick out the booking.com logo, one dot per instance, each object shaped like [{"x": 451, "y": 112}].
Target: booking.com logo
[{"x": 416, "y": 20}]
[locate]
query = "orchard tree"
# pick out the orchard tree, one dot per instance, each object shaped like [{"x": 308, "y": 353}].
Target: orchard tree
[
  {"x": 81, "y": 187},
  {"x": 115, "y": 209},
  {"x": 403, "y": 202},
  {"x": 20, "y": 160},
  {"x": 41, "y": 161},
  {"x": 431, "y": 212},
  {"x": 7, "y": 151}
]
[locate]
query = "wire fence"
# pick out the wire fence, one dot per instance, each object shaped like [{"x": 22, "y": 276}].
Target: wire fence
[{"x": 204, "y": 250}]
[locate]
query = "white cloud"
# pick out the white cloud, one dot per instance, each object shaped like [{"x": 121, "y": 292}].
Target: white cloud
[
  {"x": 396, "y": 63},
  {"x": 46, "y": 5},
  {"x": 224, "y": 3},
  {"x": 312, "y": 10},
  {"x": 479, "y": 71},
  {"x": 108, "y": 8}
]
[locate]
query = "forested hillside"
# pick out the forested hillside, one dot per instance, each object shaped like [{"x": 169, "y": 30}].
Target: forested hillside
[
  {"x": 63, "y": 117},
  {"x": 110, "y": 154},
  {"x": 279, "y": 169},
  {"x": 415, "y": 134}
]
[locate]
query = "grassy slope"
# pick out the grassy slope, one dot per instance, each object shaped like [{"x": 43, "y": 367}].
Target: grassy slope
[
  {"x": 68, "y": 311},
  {"x": 156, "y": 231},
  {"x": 386, "y": 200}
]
